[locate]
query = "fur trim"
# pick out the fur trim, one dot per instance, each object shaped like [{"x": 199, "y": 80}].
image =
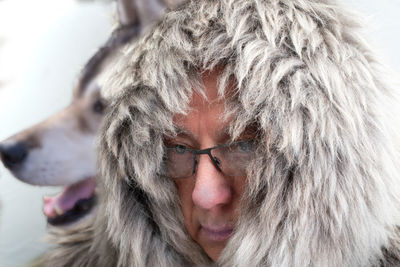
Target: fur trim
[
  {"x": 324, "y": 189},
  {"x": 73, "y": 247}
]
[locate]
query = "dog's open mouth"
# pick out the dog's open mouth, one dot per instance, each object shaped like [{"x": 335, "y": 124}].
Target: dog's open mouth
[{"x": 73, "y": 203}]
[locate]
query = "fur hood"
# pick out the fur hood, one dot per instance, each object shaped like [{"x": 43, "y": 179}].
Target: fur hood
[{"x": 324, "y": 187}]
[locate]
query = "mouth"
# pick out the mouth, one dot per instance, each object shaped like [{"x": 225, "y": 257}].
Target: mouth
[
  {"x": 73, "y": 203},
  {"x": 217, "y": 234}
]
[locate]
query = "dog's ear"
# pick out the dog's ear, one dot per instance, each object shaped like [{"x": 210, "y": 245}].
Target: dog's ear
[
  {"x": 127, "y": 12},
  {"x": 142, "y": 12}
]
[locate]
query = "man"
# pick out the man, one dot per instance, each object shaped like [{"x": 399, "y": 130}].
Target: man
[
  {"x": 210, "y": 183},
  {"x": 249, "y": 133}
]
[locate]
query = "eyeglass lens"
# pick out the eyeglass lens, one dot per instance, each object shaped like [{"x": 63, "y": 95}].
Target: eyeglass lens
[{"x": 232, "y": 159}]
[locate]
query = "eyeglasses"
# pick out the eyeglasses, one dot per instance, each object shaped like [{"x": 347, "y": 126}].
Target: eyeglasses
[{"x": 231, "y": 159}]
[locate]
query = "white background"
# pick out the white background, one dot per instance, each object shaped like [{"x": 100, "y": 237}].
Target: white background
[{"x": 43, "y": 45}]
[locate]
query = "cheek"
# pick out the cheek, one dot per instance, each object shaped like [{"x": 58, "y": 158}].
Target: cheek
[
  {"x": 240, "y": 185},
  {"x": 185, "y": 189}
]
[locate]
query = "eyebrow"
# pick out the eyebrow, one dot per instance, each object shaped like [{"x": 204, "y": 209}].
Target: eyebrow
[
  {"x": 221, "y": 135},
  {"x": 186, "y": 133}
]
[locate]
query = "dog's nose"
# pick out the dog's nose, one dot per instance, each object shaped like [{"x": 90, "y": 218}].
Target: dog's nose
[{"x": 13, "y": 154}]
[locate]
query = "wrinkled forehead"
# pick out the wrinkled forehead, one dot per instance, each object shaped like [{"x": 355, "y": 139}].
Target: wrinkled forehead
[
  {"x": 209, "y": 97},
  {"x": 208, "y": 111}
]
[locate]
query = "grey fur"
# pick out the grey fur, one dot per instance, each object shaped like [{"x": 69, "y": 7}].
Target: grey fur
[{"x": 324, "y": 189}]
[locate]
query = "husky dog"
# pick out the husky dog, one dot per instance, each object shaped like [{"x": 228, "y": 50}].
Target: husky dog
[
  {"x": 323, "y": 186},
  {"x": 60, "y": 151}
]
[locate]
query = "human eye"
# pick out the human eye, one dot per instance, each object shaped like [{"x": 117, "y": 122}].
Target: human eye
[
  {"x": 180, "y": 149},
  {"x": 177, "y": 147},
  {"x": 244, "y": 146}
]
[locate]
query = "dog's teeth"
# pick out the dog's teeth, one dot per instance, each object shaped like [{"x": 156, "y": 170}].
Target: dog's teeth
[
  {"x": 46, "y": 199},
  {"x": 58, "y": 210}
]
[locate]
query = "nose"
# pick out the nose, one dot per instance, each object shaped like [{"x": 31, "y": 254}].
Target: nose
[
  {"x": 211, "y": 188},
  {"x": 13, "y": 154}
]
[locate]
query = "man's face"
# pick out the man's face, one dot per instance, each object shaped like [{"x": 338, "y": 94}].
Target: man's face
[{"x": 209, "y": 199}]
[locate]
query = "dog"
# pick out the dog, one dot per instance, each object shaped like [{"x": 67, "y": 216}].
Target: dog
[{"x": 61, "y": 150}]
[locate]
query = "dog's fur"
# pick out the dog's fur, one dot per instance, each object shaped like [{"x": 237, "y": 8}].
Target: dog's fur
[
  {"x": 60, "y": 151},
  {"x": 324, "y": 188}
]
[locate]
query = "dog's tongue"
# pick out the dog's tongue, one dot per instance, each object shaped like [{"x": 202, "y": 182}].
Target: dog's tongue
[{"x": 64, "y": 201}]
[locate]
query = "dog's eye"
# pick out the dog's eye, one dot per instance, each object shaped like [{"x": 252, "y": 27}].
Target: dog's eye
[{"x": 99, "y": 106}]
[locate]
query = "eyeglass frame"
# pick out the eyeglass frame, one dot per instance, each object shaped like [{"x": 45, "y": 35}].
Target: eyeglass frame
[{"x": 207, "y": 151}]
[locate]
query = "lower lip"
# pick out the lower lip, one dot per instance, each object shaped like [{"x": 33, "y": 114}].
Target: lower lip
[{"x": 217, "y": 235}]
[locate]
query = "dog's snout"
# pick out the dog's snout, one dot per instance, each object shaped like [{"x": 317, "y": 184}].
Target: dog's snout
[{"x": 13, "y": 154}]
